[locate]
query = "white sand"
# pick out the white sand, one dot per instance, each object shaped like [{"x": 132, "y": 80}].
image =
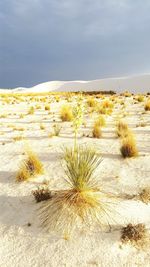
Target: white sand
[
  {"x": 24, "y": 246},
  {"x": 136, "y": 83}
]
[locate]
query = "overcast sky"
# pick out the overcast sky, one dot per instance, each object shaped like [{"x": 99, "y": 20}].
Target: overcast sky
[{"x": 43, "y": 40}]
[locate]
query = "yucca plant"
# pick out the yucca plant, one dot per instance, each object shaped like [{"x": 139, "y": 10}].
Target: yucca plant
[
  {"x": 78, "y": 110},
  {"x": 30, "y": 167},
  {"x": 82, "y": 202}
]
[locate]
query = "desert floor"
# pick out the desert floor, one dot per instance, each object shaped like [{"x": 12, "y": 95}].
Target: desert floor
[{"x": 23, "y": 242}]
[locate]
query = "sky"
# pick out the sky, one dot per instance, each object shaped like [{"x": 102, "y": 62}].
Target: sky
[{"x": 44, "y": 40}]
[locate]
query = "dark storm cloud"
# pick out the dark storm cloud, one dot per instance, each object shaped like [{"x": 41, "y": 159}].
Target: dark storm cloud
[{"x": 42, "y": 40}]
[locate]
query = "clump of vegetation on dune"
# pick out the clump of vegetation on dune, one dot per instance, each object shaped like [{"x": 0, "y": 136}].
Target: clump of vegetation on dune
[
  {"x": 135, "y": 235},
  {"x": 42, "y": 194},
  {"x": 97, "y": 132},
  {"x": 82, "y": 202},
  {"x": 91, "y": 102},
  {"x": 57, "y": 129},
  {"x": 122, "y": 129},
  {"x": 100, "y": 121},
  {"x": 31, "y": 111},
  {"x": 29, "y": 167},
  {"x": 147, "y": 106},
  {"x": 144, "y": 195},
  {"x": 66, "y": 113},
  {"x": 129, "y": 148},
  {"x": 140, "y": 98}
]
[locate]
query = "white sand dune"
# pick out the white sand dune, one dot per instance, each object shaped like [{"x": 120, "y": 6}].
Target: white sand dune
[{"x": 137, "y": 83}]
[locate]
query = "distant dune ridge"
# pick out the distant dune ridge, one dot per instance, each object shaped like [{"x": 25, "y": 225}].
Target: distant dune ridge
[{"x": 136, "y": 83}]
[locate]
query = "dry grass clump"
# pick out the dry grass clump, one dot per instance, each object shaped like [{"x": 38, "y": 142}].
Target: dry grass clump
[
  {"x": 82, "y": 201},
  {"x": 57, "y": 129},
  {"x": 107, "y": 104},
  {"x": 18, "y": 138},
  {"x": 122, "y": 129},
  {"x": 66, "y": 113},
  {"x": 134, "y": 234},
  {"x": 97, "y": 132},
  {"x": 47, "y": 107},
  {"x": 144, "y": 195},
  {"x": 140, "y": 98},
  {"x": 91, "y": 102},
  {"x": 42, "y": 127},
  {"x": 30, "y": 167},
  {"x": 147, "y": 106},
  {"x": 100, "y": 121},
  {"x": 31, "y": 111},
  {"x": 42, "y": 194},
  {"x": 128, "y": 148}
]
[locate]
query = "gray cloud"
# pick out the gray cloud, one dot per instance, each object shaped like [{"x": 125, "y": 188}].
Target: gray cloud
[{"x": 42, "y": 40}]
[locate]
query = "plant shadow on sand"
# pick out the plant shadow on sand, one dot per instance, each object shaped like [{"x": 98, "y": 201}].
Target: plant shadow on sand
[
  {"x": 7, "y": 177},
  {"x": 24, "y": 221},
  {"x": 22, "y": 217}
]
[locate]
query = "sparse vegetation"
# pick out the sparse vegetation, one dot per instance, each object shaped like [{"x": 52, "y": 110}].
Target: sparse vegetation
[
  {"x": 128, "y": 148},
  {"x": 83, "y": 200},
  {"x": 42, "y": 194},
  {"x": 66, "y": 113},
  {"x": 134, "y": 234},
  {"x": 30, "y": 167}
]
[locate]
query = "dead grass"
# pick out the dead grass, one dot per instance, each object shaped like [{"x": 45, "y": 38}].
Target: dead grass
[
  {"x": 144, "y": 195},
  {"x": 42, "y": 194},
  {"x": 66, "y": 113},
  {"x": 128, "y": 148},
  {"x": 29, "y": 167},
  {"x": 147, "y": 106},
  {"x": 135, "y": 234},
  {"x": 97, "y": 132},
  {"x": 122, "y": 129}
]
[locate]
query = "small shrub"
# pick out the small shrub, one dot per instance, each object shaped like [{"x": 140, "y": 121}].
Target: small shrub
[
  {"x": 140, "y": 98},
  {"x": 91, "y": 102},
  {"x": 57, "y": 129},
  {"x": 129, "y": 148},
  {"x": 42, "y": 194},
  {"x": 66, "y": 113},
  {"x": 29, "y": 167},
  {"x": 122, "y": 129},
  {"x": 100, "y": 121},
  {"x": 47, "y": 107},
  {"x": 144, "y": 195},
  {"x": 147, "y": 106},
  {"x": 134, "y": 234},
  {"x": 97, "y": 133},
  {"x": 31, "y": 111},
  {"x": 42, "y": 127}
]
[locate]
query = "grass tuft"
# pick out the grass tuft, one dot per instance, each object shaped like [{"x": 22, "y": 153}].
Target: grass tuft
[
  {"x": 128, "y": 148},
  {"x": 134, "y": 234},
  {"x": 30, "y": 167},
  {"x": 66, "y": 113},
  {"x": 42, "y": 194}
]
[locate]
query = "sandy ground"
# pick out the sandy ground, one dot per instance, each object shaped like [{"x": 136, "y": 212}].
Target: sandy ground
[{"x": 22, "y": 245}]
